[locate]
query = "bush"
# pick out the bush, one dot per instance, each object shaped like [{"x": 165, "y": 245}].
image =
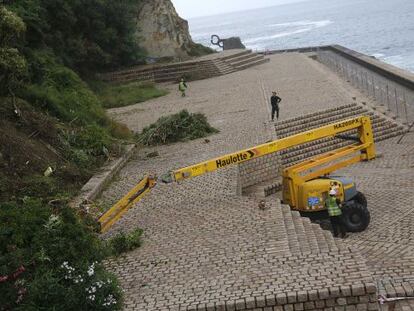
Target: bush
[
  {"x": 122, "y": 242},
  {"x": 177, "y": 127},
  {"x": 39, "y": 186},
  {"x": 57, "y": 258}
]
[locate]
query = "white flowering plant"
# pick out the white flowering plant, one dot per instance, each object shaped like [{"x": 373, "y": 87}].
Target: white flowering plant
[{"x": 50, "y": 260}]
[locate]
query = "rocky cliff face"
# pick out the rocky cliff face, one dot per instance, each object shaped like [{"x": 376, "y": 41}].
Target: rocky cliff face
[{"x": 161, "y": 31}]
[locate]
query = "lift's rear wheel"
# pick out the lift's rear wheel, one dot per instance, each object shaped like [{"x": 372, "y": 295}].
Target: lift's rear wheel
[
  {"x": 361, "y": 199},
  {"x": 355, "y": 217}
]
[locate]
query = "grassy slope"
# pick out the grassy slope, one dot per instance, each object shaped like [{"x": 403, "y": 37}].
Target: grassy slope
[
  {"x": 120, "y": 95},
  {"x": 59, "y": 123}
]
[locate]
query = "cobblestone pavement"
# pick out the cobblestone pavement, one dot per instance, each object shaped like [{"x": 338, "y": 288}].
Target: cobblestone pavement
[
  {"x": 205, "y": 246},
  {"x": 388, "y": 183}
]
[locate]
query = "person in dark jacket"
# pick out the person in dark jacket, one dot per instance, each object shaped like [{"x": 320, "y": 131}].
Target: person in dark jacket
[{"x": 274, "y": 101}]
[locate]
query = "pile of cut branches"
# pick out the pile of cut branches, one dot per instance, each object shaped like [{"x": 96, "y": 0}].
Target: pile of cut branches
[{"x": 181, "y": 126}]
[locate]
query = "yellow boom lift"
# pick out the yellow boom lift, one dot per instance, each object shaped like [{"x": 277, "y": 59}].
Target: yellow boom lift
[{"x": 305, "y": 185}]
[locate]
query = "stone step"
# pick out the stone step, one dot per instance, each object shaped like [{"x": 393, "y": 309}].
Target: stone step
[
  {"x": 263, "y": 189},
  {"x": 293, "y": 241},
  {"x": 391, "y": 135},
  {"x": 344, "y": 113},
  {"x": 325, "y": 239},
  {"x": 324, "y": 246},
  {"x": 202, "y": 68},
  {"x": 252, "y": 64},
  {"x": 301, "y": 233},
  {"x": 292, "y": 159},
  {"x": 248, "y": 61},
  {"x": 272, "y": 188},
  {"x": 228, "y": 71},
  {"x": 223, "y": 67},
  {"x": 331, "y": 241},
  {"x": 379, "y": 130},
  {"x": 331, "y": 118},
  {"x": 236, "y": 55},
  {"x": 377, "y": 127},
  {"x": 154, "y": 69},
  {"x": 306, "y": 123},
  {"x": 310, "y": 234},
  {"x": 303, "y": 118},
  {"x": 235, "y": 62},
  {"x": 317, "y": 123},
  {"x": 241, "y": 58},
  {"x": 308, "y": 237}
]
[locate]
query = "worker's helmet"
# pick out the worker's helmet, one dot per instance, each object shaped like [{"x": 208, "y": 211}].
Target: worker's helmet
[{"x": 332, "y": 192}]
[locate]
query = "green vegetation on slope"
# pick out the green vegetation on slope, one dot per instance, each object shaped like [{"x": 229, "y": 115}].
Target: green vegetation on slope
[
  {"x": 52, "y": 261},
  {"x": 56, "y": 122},
  {"x": 54, "y": 133},
  {"x": 120, "y": 95},
  {"x": 50, "y": 121},
  {"x": 176, "y": 127}
]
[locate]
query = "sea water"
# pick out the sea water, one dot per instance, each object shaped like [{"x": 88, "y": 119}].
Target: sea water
[{"x": 380, "y": 28}]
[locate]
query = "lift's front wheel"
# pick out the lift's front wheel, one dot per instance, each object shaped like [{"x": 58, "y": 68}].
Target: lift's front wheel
[{"x": 355, "y": 217}]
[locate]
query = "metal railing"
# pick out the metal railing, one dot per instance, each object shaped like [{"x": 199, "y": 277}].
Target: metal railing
[{"x": 395, "y": 98}]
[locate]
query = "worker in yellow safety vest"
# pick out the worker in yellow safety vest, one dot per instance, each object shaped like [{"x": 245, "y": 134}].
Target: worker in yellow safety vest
[
  {"x": 335, "y": 214},
  {"x": 182, "y": 86}
]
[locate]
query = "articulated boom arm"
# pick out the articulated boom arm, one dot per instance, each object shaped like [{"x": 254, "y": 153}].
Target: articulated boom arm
[
  {"x": 362, "y": 124},
  {"x": 365, "y": 144}
]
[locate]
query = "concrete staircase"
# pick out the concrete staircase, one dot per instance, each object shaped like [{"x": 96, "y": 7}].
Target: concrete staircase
[
  {"x": 205, "y": 67},
  {"x": 164, "y": 73},
  {"x": 242, "y": 61},
  {"x": 383, "y": 127},
  {"x": 307, "y": 237}
]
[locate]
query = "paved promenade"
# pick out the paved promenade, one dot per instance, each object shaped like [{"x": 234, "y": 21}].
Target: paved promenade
[{"x": 206, "y": 247}]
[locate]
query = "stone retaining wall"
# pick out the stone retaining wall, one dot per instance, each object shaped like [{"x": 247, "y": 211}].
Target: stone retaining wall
[
  {"x": 259, "y": 170},
  {"x": 391, "y": 88},
  {"x": 93, "y": 188}
]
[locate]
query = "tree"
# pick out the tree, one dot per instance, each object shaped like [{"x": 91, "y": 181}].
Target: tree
[
  {"x": 85, "y": 35},
  {"x": 12, "y": 64}
]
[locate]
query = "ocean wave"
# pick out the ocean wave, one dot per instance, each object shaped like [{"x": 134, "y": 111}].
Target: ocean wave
[
  {"x": 405, "y": 61},
  {"x": 316, "y": 24},
  {"x": 378, "y": 55},
  {"x": 311, "y": 26}
]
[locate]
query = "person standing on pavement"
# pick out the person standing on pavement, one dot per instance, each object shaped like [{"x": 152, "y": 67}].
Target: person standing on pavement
[
  {"x": 335, "y": 214},
  {"x": 274, "y": 101},
  {"x": 182, "y": 87}
]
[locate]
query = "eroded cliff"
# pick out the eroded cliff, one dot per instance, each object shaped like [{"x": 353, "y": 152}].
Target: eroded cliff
[{"x": 163, "y": 33}]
